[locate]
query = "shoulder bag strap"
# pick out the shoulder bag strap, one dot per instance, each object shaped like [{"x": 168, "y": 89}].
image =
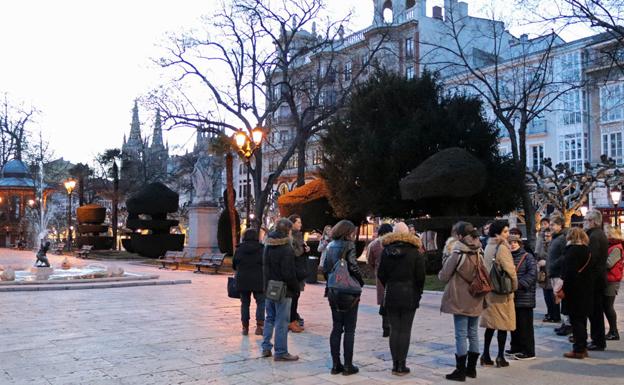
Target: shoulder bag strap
[
  {"x": 521, "y": 260},
  {"x": 585, "y": 265}
]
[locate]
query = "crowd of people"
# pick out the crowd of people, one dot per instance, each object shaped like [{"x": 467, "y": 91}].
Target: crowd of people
[{"x": 490, "y": 281}]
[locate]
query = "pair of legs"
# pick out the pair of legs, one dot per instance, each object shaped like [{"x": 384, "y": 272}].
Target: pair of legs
[
  {"x": 596, "y": 320},
  {"x": 245, "y": 298},
  {"x": 523, "y": 338},
  {"x": 609, "y": 311},
  {"x": 400, "y": 321},
  {"x": 343, "y": 322},
  {"x": 554, "y": 311},
  {"x": 502, "y": 339},
  {"x": 294, "y": 316},
  {"x": 277, "y": 316},
  {"x": 466, "y": 330},
  {"x": 579, "y": 331}
]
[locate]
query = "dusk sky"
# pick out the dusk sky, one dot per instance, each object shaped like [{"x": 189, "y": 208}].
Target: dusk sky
[{"x": 82, "y": 63}]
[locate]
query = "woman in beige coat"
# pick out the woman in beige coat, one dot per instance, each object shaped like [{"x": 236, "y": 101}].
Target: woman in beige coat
[{"x": 500, "y": 313}]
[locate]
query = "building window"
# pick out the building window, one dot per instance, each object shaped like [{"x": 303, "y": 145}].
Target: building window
[
  {"x": 611, "y": 103},
  {"x": 293, "y": 162},
  {"x": 612, "y": 146},
  {"x": 327, "y": 98},
  {"x": 571, "y": 106},
  {"x": 570, "y": 67},
  {"x": 317, "y": 157},
  {"x": 348, "y": 70},
  {"x": 573, "y": 151},
  {"x": 537, "y": 156},
  {"x": 364, "y": 63},
  {"x": 409, "y": 72},
  {"x": 409, "y": 47}
]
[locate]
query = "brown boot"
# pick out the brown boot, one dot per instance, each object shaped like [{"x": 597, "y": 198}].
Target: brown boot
[
  {"x": 245, "y": 328},
  {"x": 259, "y": 328},
  {"x": 294, "y": 327}
]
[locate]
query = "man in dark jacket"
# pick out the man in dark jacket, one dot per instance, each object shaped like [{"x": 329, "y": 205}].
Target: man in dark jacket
[
  {"x": 247, "y": 263},
  {"x": 556, "y": 251},
  {"x": 301, "y": 267},
  {"x": 523, "y": 338},
  {"x": 279, "y": 265},
  {"x": 599, "y": 251}
]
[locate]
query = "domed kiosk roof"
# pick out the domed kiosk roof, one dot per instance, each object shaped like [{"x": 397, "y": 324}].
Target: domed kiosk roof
[
  {"x": 15, "y": 168},
  {"x": 15, "y": 174}
]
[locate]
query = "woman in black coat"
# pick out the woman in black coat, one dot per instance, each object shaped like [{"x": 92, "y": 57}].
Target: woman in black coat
[
  {"x": 344, "y": 306},
  {"x": 402, "y": 273},
  {"x": 247, "y": 263},
  {"x": 578, "y": 288}
]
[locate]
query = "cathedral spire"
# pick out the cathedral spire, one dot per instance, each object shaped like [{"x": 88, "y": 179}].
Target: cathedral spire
[
  {"x": 157, "y": 139},
  {"x": 135, "y": 127}
]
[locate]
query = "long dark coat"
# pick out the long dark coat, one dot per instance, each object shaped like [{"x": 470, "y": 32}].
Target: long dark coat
[
  {"x": 578, "y": 287},
  {"x": 247, "y": 263}
]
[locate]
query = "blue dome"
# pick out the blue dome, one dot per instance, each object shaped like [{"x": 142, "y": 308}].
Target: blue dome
[{"x": 15, "y": 168}]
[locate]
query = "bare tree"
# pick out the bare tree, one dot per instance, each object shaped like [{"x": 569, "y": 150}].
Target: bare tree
[
  {"x": 515, "y": 78},
  {"x": 14, "y": 121},
  {"x": 567, "y": 190},
  {"x": 263, "y": 57}
]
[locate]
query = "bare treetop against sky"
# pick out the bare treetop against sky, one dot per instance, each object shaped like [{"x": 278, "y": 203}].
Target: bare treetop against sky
[{"x": 82, "y": 63}]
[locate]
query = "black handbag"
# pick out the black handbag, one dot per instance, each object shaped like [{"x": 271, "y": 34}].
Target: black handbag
[
  {"x": 232, "y": 289},
  {"x": 276, "y": 290}
]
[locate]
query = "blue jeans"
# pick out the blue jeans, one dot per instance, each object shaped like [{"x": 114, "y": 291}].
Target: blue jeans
[
  {"x": 466, "y": 328},
  {"x": 245, "y": 297},
  {"x": 277, "y": 316}
]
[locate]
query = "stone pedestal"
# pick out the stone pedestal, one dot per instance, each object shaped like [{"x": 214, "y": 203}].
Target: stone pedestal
[{"x": 203, "y": 224}]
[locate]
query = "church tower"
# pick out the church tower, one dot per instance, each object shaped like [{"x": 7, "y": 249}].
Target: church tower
[
  {"x": 157, "y": 153},
  {"x": 132, "y": 149}
]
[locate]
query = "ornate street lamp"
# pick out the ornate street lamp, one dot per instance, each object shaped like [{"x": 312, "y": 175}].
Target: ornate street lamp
[
  {"x": 246, "y": 147},
  {"x": 616, "y": 196},
  {"x": 70, "y": 184}
]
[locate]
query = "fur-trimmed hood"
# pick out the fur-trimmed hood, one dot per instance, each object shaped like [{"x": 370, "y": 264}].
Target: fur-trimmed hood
[
  {"x": 402, "y": 238},
  {"x": 277, "y": 239}
]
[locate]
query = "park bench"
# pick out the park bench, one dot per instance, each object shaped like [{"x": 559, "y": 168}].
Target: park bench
[
  {"x": 58, "y": 248},
  {"x": 209, "y": 260},
  {"x": 84, "y": 251},
  {"x": 173, "y": 258}
]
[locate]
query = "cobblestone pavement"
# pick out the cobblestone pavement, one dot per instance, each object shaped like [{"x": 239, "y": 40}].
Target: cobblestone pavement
[{"x": 190, "y": 334}]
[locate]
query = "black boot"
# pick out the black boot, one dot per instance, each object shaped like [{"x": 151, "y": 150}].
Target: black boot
[
  {"x": 471, "y": 366},
  {"x": 459, "y": 374},
  {"x": 350, "y": 369},
  {"x": 395, "y": 366},
  {"x": 337, "y": 368},
  {"x": 402, "y": 370}
]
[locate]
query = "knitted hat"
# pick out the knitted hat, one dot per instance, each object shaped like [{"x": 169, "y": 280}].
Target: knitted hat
[
  {"x": 401, "y": 228},
  {"x": 514, "y": 238}
]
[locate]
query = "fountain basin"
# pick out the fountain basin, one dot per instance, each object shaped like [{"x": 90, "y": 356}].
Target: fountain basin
[{"x": 91, "y": 273}]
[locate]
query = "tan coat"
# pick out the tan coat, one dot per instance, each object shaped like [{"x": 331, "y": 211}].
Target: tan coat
[
  {"x": 456, "y": 299},
  {"x": 500, "y": 313}
]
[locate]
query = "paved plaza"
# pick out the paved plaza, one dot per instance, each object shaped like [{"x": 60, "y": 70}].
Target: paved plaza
[{"x": 190, "y": 334}]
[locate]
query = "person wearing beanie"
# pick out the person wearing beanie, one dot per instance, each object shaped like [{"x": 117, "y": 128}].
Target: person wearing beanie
[
  {"x": 523, "y": 338},
  {"x": 402, "y": 273},
  {"x": 373, "y": 254}
]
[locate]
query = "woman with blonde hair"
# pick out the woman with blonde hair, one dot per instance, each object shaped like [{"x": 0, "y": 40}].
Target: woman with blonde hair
[
  {"x": 615, "y": 266},
  {"x": 578, "y": 288}
]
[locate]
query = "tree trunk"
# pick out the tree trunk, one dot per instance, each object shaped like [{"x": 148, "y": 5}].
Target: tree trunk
[
  {"x": 115, "y": 213},
  {"x": 529, "y": 217},
  {"x": 81, "y": 191},
  {"x": 301, "y": 162},
  {"x": 229, "y": 176},
  {"x": 567, "y": 216}
]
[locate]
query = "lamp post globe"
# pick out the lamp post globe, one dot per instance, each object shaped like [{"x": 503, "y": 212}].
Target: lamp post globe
[
  {"x": 70, "y": 184},
  {"x": 616, "y": 197}
]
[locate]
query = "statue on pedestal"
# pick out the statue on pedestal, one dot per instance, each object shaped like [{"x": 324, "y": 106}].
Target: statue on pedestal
[
  {"x": 42, "y": 259},
  {"x": 207, "y": 180}
]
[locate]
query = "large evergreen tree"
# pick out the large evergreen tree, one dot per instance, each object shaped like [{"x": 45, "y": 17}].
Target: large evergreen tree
[{"x": 392, "y": 125}]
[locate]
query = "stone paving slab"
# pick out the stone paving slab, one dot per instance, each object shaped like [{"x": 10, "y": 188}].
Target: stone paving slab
[{"x": 190, "y": 334}]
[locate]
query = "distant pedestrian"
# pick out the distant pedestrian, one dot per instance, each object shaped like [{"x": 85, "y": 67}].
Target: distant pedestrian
[
  {"x": 599, "y": 249},
  {"x": 301, "y": 263},
  {"x": 615, "y": 264},
  {"x": 500, "y": 314},
  {"x": 450, "y": 243},
  {"x": 375, "y": 249},
  {"x": 556, "y": 251},
  {"x": 485, "y": 230},
  {"x": 279, "y": 266},
  {"x": 402, "y": 273},
  {"x": 343, "y": 303},
  {"x": 523, "y": 338},
  {"x": 323, "y": 242},
  {"x": 247, "y": 263},
  {"x": 579, "y": 279},
  {"x": 457, "y": 272},
  {"x": 541, "y": 255}
]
